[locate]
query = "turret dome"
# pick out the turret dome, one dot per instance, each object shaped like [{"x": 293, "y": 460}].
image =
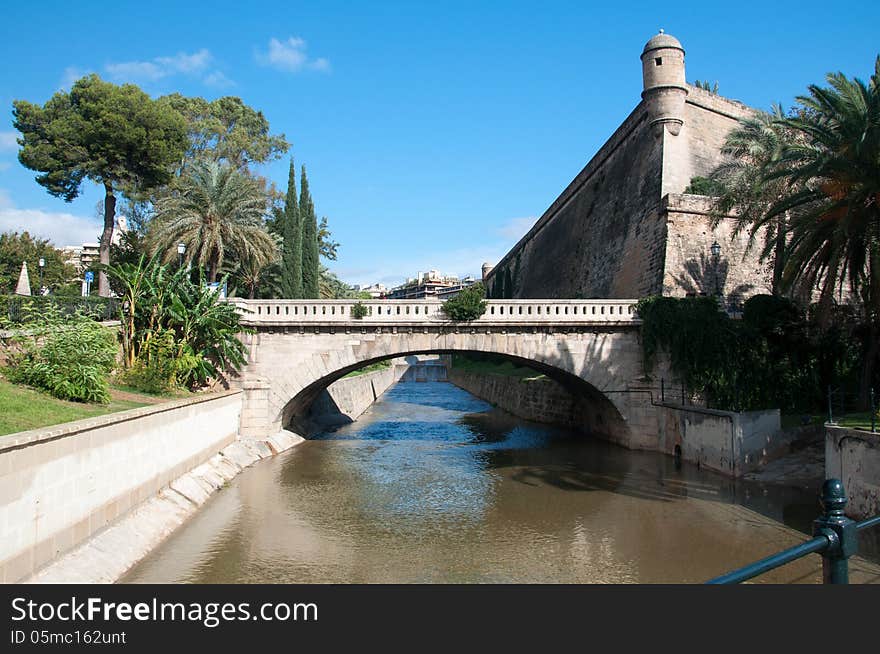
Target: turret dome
[{"x": 662, "y": 40}]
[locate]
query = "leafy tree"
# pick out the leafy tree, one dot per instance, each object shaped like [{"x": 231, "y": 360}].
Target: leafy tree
[
  {"x": 292, "y": 235},
  {"x": 748, "y": 187},
  {"x": 16, "y": 247},
  {"x": 706, "y": 86},
  {"x": 115, "y": 136},
  {"x": 333, "y": 288},
  {"x": 311, "y": 271},
  {"x": 252, "y": 278},
  {"x": 704, "y": 186},
  {"x": 326, "y": 245},
  {"x": 469, "y": 304},
  {"x": 227, "y": 130},
  {"x": 218, "y": 211},
  {"x": 834, "y": 175}
]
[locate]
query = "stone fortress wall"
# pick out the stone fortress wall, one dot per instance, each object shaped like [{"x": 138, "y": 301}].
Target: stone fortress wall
[{"x": 623, "y": 227}]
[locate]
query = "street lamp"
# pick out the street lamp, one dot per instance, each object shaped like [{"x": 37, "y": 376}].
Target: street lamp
[
  {"x": 715, "y": 249},
  {"x": 181, "y": 248},
  {"x": 42, "y": 263}
]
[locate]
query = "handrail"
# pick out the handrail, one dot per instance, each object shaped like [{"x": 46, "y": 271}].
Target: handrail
[{"x": 836, "y": 538}]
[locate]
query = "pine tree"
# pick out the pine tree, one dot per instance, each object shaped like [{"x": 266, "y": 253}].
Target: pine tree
[
  {"x": 311, "y": 269},
  {"x": 291, "y": 233}
]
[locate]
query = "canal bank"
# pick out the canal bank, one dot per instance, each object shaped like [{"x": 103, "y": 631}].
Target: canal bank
[
  {"x": 432, "y": 485},
  {"x": 136, "y": 496}
]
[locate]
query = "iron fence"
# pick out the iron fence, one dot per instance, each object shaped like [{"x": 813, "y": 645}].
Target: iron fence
[
  {"x": 835, "y": 537},
  {"x": 18, "y": 309},
  {"x": 852, "y": 409}
]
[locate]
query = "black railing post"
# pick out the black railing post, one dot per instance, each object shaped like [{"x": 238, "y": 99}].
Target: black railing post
[
  {"x": 873, "y": 412},
  {"x": 830, "y": 414},
  {"x": 841, "y": 532},
  {"x": 662, "y": 390}
]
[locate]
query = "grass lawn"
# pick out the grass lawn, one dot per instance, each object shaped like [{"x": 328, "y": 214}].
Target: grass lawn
[
  {"x": 23, "y": 408},
  {"x": 373, "y": 367},
  {"x": 851, "y": 420},
  {"x": 494, "y": 367}
]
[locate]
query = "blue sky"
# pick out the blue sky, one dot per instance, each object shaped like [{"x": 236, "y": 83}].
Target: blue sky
[{"x": 434, "y": 133}]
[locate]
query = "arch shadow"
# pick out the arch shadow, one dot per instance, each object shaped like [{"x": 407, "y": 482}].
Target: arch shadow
[{"x": 599, "y": 415}]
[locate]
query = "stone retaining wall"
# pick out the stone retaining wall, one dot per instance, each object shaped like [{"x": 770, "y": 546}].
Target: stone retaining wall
[
  {"x": 61, "y": 485},
  {"x": 346, "y": 399},
  {"x": 725, "y": 441},
  {"x": 541, "y": 400},
  {"x": 853, "y": 456}
]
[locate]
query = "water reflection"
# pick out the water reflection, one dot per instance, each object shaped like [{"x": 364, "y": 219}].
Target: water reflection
[{"x": 433, "y": 485}]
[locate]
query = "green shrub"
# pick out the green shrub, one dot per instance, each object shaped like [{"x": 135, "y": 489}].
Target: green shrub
[
  {"x": 71, "y": 357},
  {"x": 705, "y": 186},
  {"x": 469, "y": 304},
  {"x": 174, "y": 332},
  {"x": 359, "y": 310}
]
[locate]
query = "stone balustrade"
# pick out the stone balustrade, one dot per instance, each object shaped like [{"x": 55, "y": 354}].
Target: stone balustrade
[{"x": 424, "y": 312}]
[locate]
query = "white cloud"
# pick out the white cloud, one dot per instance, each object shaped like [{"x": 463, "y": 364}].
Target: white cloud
[
  {"x": 71, "y": 74},
  {"x": 160, "y": 67},
  {"x": 516, "y": 228},
  {"x": 7, "y": 141},
  {"x": 59, "y": 227},
  {"x": 217, "y": 80},
  {"x": 290, "y": 56}
]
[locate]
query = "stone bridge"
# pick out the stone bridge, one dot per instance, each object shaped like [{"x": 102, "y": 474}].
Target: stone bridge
[{"x": 592, "y": 347}]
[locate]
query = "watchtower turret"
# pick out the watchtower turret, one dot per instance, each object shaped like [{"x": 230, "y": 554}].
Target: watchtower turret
[{"x": 665, "y": 89}]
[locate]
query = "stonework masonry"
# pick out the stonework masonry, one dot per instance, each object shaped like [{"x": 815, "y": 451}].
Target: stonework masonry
[
  {"x": 623, "y": 227},
  {"x": 853, "y": 456},
  {"x": 541, "y": 400}
]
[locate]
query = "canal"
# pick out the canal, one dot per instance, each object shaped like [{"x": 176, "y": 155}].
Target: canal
[{"x": 432, "y": 485}]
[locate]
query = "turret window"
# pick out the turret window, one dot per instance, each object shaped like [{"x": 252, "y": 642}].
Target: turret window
[{"x": 658, "y": 61}]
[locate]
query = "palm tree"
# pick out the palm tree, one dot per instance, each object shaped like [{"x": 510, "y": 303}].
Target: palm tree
[
  {"x": 216, "y": 211},
  {"x": 748, "y": 189},
  {"x": 834, "y": 175}
]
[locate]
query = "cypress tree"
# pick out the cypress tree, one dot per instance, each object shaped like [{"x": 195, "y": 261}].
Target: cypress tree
[
  {"x": 291, "y": 233},
  {"x": 311, "y": 272}
]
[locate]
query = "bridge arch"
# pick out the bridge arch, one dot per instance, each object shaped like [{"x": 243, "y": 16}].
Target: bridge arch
[
  {"x": 599, "y": 414},
  {"x": 288, "y": 369}
]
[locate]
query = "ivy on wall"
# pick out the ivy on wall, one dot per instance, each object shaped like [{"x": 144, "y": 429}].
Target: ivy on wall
[{"x": 775, "y": 356}]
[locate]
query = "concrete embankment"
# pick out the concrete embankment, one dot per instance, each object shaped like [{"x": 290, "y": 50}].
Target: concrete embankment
[
  {"x": 853, "y": 456},
  {"x": 346, "y": 399},
  {"x": 732, "y": 443},
  {"x": 540, "y": 399},
  {"x": 85, "y": 500}
]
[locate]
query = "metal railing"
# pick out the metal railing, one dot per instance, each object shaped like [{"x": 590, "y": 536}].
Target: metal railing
[
  {"x": 848, "y": 409},
  {"x": 19, "y": 308},
  {"x": 836, "y": 538}
]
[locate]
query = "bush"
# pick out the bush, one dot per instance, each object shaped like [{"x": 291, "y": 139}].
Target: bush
[
  {"x": 469, "y": 304},
  {"x": 71, "y": 357},
  {"x": 359, "y": 310},
  {"x": 174, "y": 332}
]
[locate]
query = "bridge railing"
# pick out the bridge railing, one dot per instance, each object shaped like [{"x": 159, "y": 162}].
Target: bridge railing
[
  {"x": 835, "y": 538},
  {"x": 273, "y": 312}
]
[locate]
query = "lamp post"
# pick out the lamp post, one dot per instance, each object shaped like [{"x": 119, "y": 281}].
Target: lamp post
[
  {"x": 181, "y": 248},
  {"x": 715, "y": 249},
  {"x": 42, "y": 263}
]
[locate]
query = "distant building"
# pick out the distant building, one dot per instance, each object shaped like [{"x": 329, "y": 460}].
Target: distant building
[
  {"x": 375, "y": 290},
  {"x": 429, "y": 284},
  {"x": 81, "y": 257}
]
